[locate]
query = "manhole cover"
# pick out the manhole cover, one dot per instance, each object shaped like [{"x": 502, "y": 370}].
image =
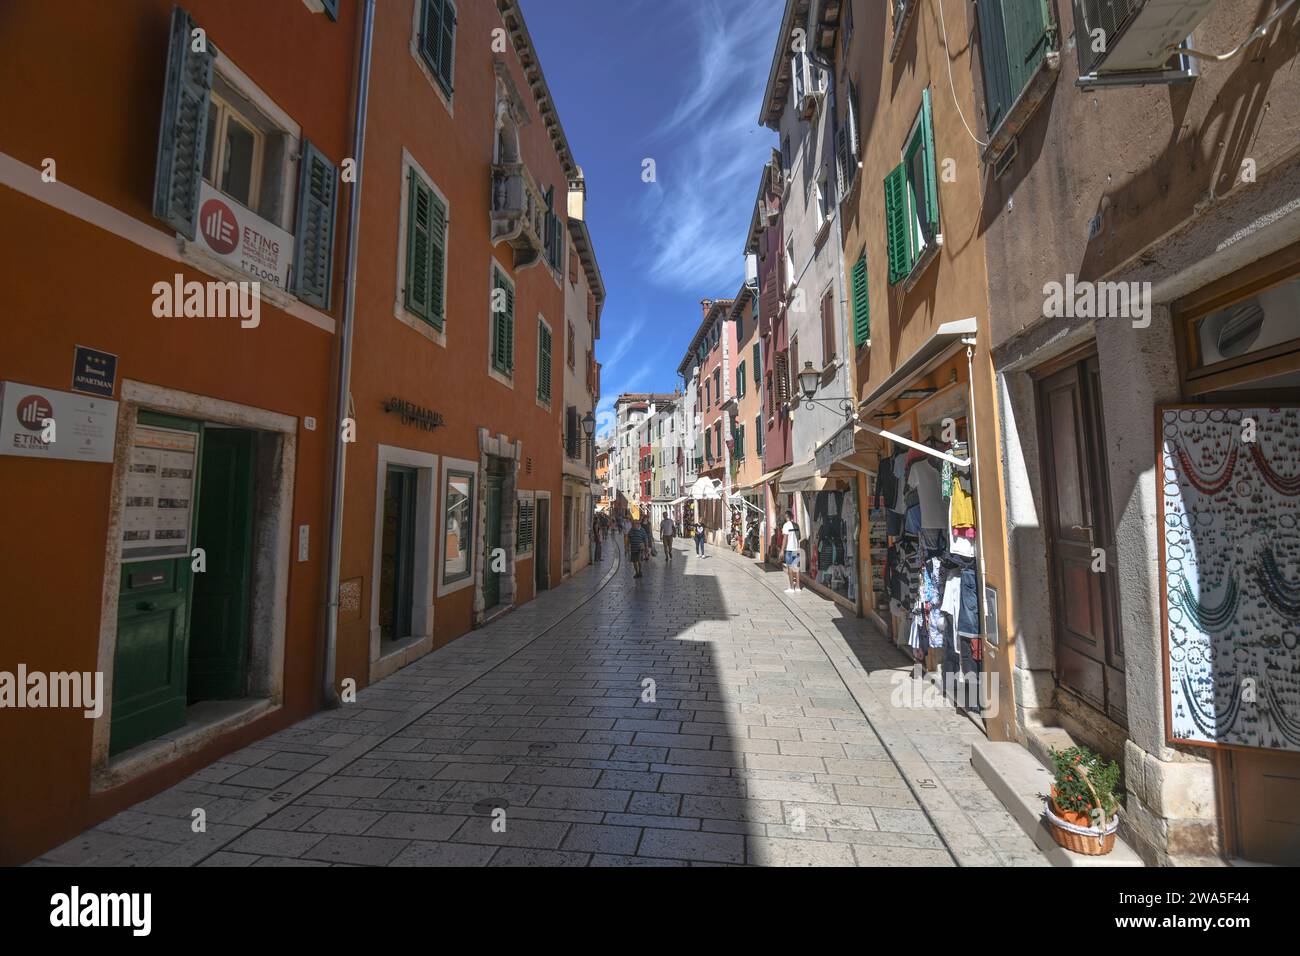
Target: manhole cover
[{"x": 484, "y": 808}]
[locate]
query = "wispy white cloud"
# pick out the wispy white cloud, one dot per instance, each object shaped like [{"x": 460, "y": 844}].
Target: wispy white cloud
[{"x": 710, "y": 150}]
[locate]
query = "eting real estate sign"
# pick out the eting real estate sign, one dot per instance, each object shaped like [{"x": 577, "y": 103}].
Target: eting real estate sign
[
  {"x": 46, "y": 423},
  {"x": 242, "y": 239}
]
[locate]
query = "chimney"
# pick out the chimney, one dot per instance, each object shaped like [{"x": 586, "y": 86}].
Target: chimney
[
  {"x": 578, "y": 195},
  {"x": 706, "y": 304}
]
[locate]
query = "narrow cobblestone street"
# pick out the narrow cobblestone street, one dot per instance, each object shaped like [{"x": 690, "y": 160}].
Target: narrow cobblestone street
[{"x": 771, "y": 740}]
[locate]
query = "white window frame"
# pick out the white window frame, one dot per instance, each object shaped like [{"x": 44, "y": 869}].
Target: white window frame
[
  {"x": 507, "y": 380},
  {"x": 227, "y": 111},
  {"x": 448, "y": 102},
  {"x": 531, "y": 498},
  {"x": 471, "y": 577},
  {"x": 405, "y": 648},
  {"x": 436, "y": 336},
  {"x": 541, "y": 322}
]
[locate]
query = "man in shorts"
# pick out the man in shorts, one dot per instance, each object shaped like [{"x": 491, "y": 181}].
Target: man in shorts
[{"x": 790, "y": 532}]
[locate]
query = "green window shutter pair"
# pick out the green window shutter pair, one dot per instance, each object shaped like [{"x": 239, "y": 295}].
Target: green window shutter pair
[
  {"x": 543, "y": 363},
  {"x": 183, "y": 130},
  {"x": 438, "y": 40},
  {"x": 182, "y": 145},
  {"x": 426, "y": 252},
  {"x": 1015, "y": 36},
  {"x": 861, "y": 302},
  {"x": 901, "y": 205},
  {"x": 503, "y": 325}
]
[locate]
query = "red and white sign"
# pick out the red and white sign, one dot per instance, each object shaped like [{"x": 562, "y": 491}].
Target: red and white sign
[
  {"x": 84, "y": 426},
  {"x": 242, "y": 239}
]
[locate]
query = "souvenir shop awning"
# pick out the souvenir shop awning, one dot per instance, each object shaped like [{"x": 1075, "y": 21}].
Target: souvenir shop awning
[
  {"x": 802, "y": 478},
  {"x": 947, "y": 335},
  {"x": 764, "y": 480},
  {"x": 847, "y": 453},
  {"x": 705, "y": 488}
]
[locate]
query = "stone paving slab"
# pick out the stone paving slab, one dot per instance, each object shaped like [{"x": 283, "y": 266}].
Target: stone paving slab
[{"x": 695, "y": 716}]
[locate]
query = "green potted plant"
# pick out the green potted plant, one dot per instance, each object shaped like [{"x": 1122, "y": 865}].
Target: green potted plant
[{"x": 1083, "y": 807}]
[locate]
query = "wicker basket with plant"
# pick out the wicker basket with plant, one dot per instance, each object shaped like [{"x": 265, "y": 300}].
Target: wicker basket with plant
[{"x": 1083, "y": 807}]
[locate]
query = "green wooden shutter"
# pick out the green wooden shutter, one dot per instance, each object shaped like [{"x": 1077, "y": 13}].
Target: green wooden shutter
[
  {"x": 758, "y": 362},
  {"x": 313, "y": 241},
  {"x": 438, "y": 262},
  {"x": 447, "y": 46},
  {"x": 931, "y": 212},
  {"x": 543, "y": 363},
  {"x": 758, "y": 433},
  {"x": 503, "y": 328},
  {"x": 896, "y": 226},
  {"x": 1027, "y": 40},
  {"x": 861, "y": 303},
  {"x": 419, "y": 243},
  {"x": 183, "y": 129},
  {"x": 993, "y": 61},
  {"x": 331, "y": 8}
]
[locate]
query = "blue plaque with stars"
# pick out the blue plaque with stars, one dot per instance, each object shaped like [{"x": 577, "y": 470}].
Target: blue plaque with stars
[{"x": 94, "y": 372}]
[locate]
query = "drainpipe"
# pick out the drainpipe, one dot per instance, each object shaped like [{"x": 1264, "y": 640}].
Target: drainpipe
[
  {"x": 330, "y": 696},
  {"x": 973, "y": 455}
]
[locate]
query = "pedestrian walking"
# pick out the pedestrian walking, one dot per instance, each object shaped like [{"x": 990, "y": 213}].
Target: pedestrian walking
[
  {"x": 649, "y": 537},
  {"x": 667, "y": 532},
  {"x": 637, "y": 540},
  {"x": 790, "y": 531},
  {"x": 699, "y": 538},
  {"x": 597, "y": 534},
  {"x": 626, "y": 525}
]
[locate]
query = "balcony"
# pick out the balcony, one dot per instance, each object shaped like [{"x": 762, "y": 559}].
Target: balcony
[{"x": 518, "y": 212}]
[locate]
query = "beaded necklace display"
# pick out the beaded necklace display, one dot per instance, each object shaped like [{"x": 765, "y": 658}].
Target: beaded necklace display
[
  {"x": 1278, "y": 591},
  {"x": 1211, "y": 725},
  {"x": 1207, "y": 618},
  {"x": 1207, "y": 486},
  {"x": 1286, "y": 724},
  {"x": 1277, "y": 481}
]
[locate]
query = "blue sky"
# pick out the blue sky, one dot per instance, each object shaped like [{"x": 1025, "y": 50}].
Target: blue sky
[{"x": 679, "y": 82}]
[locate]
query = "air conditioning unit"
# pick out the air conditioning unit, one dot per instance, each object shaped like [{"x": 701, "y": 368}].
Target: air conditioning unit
[{"x": 1127, "y": 40}]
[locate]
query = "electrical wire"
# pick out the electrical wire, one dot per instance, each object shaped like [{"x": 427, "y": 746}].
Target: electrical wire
[
  {"x": 953, "y": 86},
  {"x": 1260, "y": 31}
]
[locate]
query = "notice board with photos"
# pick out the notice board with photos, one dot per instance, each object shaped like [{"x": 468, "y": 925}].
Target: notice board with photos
[
  {"x": 1229, "y": 494},
  {"x": 159, "y": 505}
]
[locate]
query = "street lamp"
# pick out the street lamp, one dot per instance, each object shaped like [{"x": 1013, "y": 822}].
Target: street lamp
[
  {"x": 809, "y": 379},
  {"x": 589, "y": 429}
]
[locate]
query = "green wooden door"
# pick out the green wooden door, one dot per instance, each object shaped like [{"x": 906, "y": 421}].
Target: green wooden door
[
  {"x": 220, "y": 603},
  {"x": 492, "y": 541},
  {"x": 397, "y": 553},
  {"x": 153, "y": 611}
]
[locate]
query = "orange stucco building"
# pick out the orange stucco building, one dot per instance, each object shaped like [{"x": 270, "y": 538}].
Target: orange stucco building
[
  {"x": 172, "y": 537},
  {"x": 100, "y": 523}
]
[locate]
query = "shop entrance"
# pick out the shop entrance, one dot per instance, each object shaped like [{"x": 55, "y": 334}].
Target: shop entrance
[
  {"x": 1089, "y": 656},
  {"x": 397, "y": 554},
  {"x": 183, "y": 618}
]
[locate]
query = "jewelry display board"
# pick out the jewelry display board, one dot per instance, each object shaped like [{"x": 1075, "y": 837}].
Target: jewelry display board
[{"x": 1230, "y": 574}]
